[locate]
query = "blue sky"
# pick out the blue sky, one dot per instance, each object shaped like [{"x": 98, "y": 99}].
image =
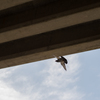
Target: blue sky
[{"x": 47, "y": 80}]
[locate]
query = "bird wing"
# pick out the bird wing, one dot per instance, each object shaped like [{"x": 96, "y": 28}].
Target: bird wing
[
  {"x": 56, "y": 56},
  {"x": 64, "y": 59},
  {"x": 63, "y": 64}
]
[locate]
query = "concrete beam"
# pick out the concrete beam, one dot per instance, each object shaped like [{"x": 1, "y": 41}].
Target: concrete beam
[
  {"x": 73, "y": 39},
  {"x": 36, "y": 31},
  {"x": 54, "y": 24},
  {"x": 14, "y": 17},
  {"x": 27, "y": 20},
  {"x": 4, "y": 4}
]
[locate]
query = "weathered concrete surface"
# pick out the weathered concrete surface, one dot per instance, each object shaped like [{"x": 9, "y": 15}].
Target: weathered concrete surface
[
  {"x": 46, "y": 26},
  {"x": 26, "y": 20},
  {"x": 63, "y": 41},
  {"x": 36, "y": 31},
  {"x": 4, "y": 4}
]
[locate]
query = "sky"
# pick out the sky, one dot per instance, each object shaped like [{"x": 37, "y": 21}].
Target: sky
[{"x": 47, "y": 80}]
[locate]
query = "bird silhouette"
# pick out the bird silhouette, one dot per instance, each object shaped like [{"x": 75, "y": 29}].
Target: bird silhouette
[{"x": 63, "y": 61}]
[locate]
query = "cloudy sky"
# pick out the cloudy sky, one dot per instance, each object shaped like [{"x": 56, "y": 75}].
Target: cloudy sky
[{"x": 47, "y": 80}]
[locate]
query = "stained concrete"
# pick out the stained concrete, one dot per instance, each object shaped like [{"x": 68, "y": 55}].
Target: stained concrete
[
  {"x": 54, "y": 24},
  {"x": 45, "y": 45},
  {"x": 4, "y": 4},
  {"x": 36, "y": 31}
]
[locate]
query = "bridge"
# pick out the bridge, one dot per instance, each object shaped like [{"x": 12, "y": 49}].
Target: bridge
[{"x": 34, "y": 30}]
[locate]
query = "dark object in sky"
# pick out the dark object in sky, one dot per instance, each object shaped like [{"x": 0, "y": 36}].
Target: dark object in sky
[{"x": 63, "y": 61}]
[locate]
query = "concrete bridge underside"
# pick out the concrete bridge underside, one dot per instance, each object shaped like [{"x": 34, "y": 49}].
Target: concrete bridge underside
[{"x": 34, "y": 30}]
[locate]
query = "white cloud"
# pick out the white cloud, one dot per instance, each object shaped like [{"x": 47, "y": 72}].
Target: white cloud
[
  {"x": 62, "y": 84},
  {"x": 6, "y": 71},
  {"x": 56, "y": 83},
  {"x": 57, "y": 75},
  {"x": 68, "y": 94},
  {"x": 8, "y": 93}
]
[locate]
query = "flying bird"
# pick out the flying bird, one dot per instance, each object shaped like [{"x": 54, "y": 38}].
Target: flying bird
[{"x": 63, "y": 61}]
